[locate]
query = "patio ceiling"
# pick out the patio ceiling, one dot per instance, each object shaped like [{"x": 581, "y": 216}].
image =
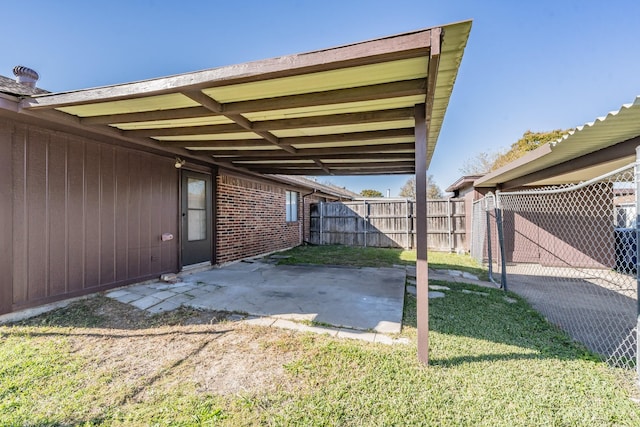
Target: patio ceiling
[{"x": 344, "y": 111}]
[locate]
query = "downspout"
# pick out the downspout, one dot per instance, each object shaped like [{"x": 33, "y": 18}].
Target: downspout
[{"x": 305, "y": 242}]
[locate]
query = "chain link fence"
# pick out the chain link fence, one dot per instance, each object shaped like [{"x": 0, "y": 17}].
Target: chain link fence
[{"x": 571, "y": 252}]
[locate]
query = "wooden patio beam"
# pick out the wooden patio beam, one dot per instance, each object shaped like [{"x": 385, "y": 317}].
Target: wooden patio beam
[
  {"x": 213, "y": 105},
  {"x": 317, "y": 171},
  {"x": 295, "y": 123},
  {"x": 149, "y": 116},
  {"x": 298, "y": 140},
  {"x": 335, "y": 119},
  {"x": 322, "y": 166},
  {"x": 192, "y": 130},
  {"x": 348, "y": 156},
  {"x": 217, "y": 143},
  {"x": 349, "y": 137},
  {"x": 332, "y": 166},
  {"x": 318, "y": 153},
  {"x": 330, "y": 97}
]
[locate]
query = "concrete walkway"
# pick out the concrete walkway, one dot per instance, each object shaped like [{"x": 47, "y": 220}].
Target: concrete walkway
[{"x": 359, "y": 303}]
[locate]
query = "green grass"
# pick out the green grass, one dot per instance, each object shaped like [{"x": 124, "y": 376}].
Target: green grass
[
  {"x": 378, "y": 257},
  {"x": 345, "y": 255},
  {"x": 492, "y": 363}
]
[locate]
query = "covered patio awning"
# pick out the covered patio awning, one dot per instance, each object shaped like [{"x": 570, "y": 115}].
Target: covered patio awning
[
  {"x": 344, "y": 111},
  {"x": 368, "y": 108}
]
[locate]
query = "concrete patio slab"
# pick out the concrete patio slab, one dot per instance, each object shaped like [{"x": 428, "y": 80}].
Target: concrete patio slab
[
  {"x": 355, "y": 298},
  {"x": 358, "y": 299}
]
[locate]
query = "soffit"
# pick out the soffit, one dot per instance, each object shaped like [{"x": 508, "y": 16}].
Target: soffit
[{"x": 345, "y": 110}]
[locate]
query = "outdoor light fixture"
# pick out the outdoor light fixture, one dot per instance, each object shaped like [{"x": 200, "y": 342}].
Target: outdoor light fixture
[{"x": 179, "y": 162}]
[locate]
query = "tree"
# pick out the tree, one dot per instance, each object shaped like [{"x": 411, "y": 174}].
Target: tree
[
  {"x": 485, "y": 162},
  {"x": 529, "y": 142},
  {"x": 371, "y": 193},
  {"x": 408, "y": 190},
  {"x": 480, "y": 164}
]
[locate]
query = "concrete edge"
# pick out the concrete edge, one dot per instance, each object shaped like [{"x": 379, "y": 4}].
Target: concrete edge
[
  {"x": 28, "y": 313},
  {"x": 335, "y": 332}
]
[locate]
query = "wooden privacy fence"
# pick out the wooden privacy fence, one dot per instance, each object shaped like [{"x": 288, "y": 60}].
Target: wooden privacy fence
[{"x": 388, "y": 224}]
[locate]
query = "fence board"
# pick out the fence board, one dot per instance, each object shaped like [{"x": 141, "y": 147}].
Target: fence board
[{"x": 388, "y": 223}]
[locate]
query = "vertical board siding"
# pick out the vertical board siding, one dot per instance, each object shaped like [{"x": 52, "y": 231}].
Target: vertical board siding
[
  {"x": 19, "y": 153},
  {"x": 57, "y": 212},
  {"x": 388, "y": 224},
  {"x": 6, "y": 218},
  {"x": 75, "y": 216},
  {"x": 83, "y": 215}
]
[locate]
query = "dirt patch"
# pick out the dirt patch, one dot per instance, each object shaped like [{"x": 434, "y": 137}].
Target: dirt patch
[{"x": 132, "y": 351}]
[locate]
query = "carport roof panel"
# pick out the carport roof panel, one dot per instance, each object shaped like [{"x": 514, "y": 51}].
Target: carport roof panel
[
  {"x": 344, "y": 103},
  {"x": 616, "y": 127}
]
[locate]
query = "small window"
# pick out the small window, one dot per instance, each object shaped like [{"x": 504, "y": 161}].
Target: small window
[{"x": 292, "y": 206}]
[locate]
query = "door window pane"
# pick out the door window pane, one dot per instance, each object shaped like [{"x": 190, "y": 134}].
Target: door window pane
[
  {"x": 197, "y": 224},
  {"x": 196, "y": 198},
  {"x": 196, "y": 209}
]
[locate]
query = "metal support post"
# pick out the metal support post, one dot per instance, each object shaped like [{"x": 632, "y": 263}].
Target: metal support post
[
  {"x": 637, "y": 194},
  {"x": 489, "y": 249},
  {"x": 503, "y": 258}
]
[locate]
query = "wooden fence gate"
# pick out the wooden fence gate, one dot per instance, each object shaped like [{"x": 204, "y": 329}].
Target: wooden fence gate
[{"x": 388, "y": 224}]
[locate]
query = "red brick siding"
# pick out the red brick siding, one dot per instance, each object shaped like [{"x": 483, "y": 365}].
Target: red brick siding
[{"x": 250, "y": 219}]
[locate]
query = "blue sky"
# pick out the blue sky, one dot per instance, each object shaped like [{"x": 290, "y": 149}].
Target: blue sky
[{"x": 528, "y": 65}]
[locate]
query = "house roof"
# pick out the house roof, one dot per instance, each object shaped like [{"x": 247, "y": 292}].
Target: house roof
[
  {"x": 590, "y": 139},
  {"x": 330, "y": 190},
  {"x": 462, "y": 182},
  {"x": 12, "y": 87},
  {"x": 344, "y": 111}
]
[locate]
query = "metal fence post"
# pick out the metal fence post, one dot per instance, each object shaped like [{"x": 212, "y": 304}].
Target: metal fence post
[
  {"x": 637, "y": 254},
  {"x": 489, "y": 250},
  {"x": 503, "y": 273}
]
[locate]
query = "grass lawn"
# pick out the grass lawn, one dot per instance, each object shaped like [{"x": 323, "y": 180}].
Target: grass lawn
[
  {"x": 493, "y": 363},
  {"x": 379, "y": 257}
]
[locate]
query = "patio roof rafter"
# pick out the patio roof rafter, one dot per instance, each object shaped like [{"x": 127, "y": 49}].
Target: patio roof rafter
[
  {"x": 312, "y": 152},
  {"x": 299, "y": 140},
  {"x": 216, "y": 107},
  {"x": 348, "y": 156}
]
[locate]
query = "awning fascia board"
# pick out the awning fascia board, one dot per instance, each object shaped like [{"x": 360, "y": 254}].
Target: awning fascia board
[{"x": 404, "y": 46}]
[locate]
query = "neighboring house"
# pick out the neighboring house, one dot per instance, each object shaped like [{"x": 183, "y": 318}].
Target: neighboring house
[
  {"x": 463, "y": 189},
  {"x": 109, "y": 186}
]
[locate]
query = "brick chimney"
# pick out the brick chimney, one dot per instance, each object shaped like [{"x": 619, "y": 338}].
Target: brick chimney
[{"x": 25, "y": 76}]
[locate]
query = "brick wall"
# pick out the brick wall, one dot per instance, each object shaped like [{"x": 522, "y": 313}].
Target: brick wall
[{"x": 250, "y": 219}]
